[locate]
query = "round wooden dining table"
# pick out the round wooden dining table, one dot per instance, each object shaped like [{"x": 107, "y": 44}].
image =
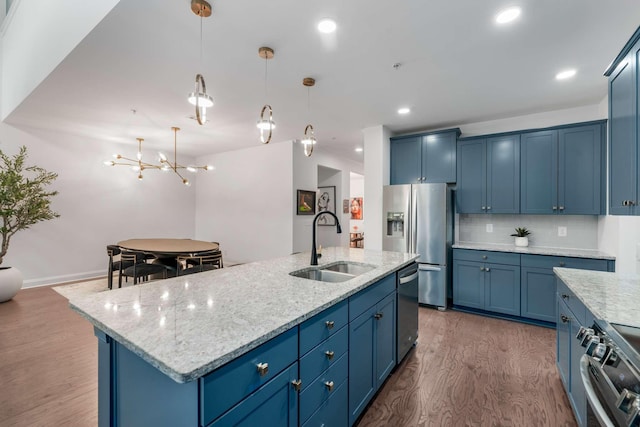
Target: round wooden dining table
[{"x": 166, "y": 247}]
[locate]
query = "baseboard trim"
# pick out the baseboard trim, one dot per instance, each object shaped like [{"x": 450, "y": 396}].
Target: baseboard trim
[{"x": 65, "y": 279}]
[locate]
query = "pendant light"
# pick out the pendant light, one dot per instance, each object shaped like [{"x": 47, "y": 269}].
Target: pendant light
[
  {"x": 309, "y": 139},
  {"x": 199, "y": 96},
  {"x": 266, "y": 123}
]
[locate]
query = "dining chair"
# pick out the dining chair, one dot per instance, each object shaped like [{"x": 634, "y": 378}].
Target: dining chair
[
  {"x": 139, "y": 268},
  {"x": 114, "y": 265},
  {"x": 199, "y": 263}
]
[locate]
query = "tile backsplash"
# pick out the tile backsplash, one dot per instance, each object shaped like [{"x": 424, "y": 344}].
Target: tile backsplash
[{"x": 581, "y": 230}]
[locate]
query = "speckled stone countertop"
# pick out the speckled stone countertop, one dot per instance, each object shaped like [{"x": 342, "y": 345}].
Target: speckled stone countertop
[
  {"x": 188, "y": 326},
  {"x": 578, "y": 253},
  {"x": 612, "y": 297}
]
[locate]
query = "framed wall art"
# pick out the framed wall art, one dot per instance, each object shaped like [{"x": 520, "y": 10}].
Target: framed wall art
[
  {"x": 306, "y": 202},
  {"x": 326, "y": 202},
  {"x": 356, "y": 208}
]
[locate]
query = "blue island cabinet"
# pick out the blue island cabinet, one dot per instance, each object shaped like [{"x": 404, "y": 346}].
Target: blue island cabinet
[{"x": 321, "y": 372}]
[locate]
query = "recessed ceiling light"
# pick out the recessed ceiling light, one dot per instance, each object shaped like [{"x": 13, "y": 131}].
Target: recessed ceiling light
[
  {"x": 566, "y": 74},
  {"x": 327, "y": 26},
  {"x": 359, "y": 149},
  {"x": 404, "y": 110},
  {"x": 508, "y": 15}
]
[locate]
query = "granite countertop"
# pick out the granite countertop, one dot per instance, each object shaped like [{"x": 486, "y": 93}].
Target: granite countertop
[
  {"x": 533, "y": 250},
  {"x": 188, "y": 326},
  {"x": 612, "y": 297}
]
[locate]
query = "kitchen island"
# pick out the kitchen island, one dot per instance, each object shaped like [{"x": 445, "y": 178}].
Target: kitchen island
[{"x": 169, "y": 351}]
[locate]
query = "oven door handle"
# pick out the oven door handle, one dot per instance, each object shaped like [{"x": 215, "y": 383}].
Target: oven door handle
[{"x": 598, "y": 410}]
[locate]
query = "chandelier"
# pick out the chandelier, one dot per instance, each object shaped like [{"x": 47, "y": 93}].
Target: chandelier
[{"x": 137, "y": 165}]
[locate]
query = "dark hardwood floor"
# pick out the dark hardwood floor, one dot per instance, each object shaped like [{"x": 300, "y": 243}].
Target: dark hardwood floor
[{"x": 467, "y": 370}]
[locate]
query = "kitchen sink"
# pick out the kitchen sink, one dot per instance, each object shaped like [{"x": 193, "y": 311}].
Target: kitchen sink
[
  {"x": 349, "y": 268},
  {"x": 337, "y": 272}
]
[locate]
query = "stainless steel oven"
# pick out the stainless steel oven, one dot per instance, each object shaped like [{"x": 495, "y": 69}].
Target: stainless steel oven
[{"x": 610, "y": 372}]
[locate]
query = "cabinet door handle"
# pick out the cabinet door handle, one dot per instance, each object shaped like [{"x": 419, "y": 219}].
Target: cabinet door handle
[
  {"x": 263, "y": 369},
  {"x": 329, "y": 354},
  {"x": 488, "y": 208},
  {"x": 484, "y": 257},
  {"x": 564, "y": 318},
  {"x": 484, "y": 208},
  {"x": 329, "y": 385},
  {"x": 330, "y": 324},
  {"x": 561, "y": 208},
  {"x": 487, "y": 269},
  {"x": 296, "y": 384},
  {"x": 554, "y": 207},
  {"x": 565, "y": 296},
  {"x": 562, "y": 264},
  {"x": 632, "y": 203},
  {"x": 481, "y": 268},
  {"x": 424, "y": 178},
  {"x": 378, "y": 316}
]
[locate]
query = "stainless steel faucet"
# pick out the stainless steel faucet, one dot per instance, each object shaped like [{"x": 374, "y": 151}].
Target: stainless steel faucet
[{"x": 314, "y": 254}]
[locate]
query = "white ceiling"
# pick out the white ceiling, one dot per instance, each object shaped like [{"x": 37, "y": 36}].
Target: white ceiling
[{"x": 457, "y": 67}]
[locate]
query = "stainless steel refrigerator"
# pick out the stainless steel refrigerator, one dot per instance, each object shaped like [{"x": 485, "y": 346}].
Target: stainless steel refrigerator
[{"x": 418, "y": 218}]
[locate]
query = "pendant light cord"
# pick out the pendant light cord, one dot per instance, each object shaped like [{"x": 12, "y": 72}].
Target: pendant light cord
[
  {"x": 201, "y": 68},
  {"x": 266, "y": 62}
]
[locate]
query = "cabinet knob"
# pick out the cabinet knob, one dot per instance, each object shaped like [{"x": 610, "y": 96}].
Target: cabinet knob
[
  {"x": 564, "y": 318},
  {"x": 481, "y": 268},
  {"x": 424, "y": 178},
  {"x": 296, "y": 384},
  {"x": 329, "y": 385},
  {"x": 329, "y": 354},
  {"x": 330, "y": 324},
  {"x": 378, "y": 316},
  {"x": 487, "y": 269},
  {"x": 562, "y": 264},
  {"x": 484, "y": 257},
  {"x": 565, "y": 296},
  {"x": 263, "y": 369},
  {"x": 554, "y": 207},
  {"x": 484, "y": 208},
  {"x": 561, "y": 208},
  {"x": 632, "y": 203},
  {"x": 625, "y": 203},
  {"x": 488, "y": 208}
]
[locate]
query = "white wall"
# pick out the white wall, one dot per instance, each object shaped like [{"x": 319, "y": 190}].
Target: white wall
[
  {"x": 34, "y": 41},
  {"x": 327, "y": 235},
  {"x": 305, "y": 177},
  {"x": 376, "y": 173},
  {"x": 98, "y": 205},
  {"x": 246, "y": 203}
]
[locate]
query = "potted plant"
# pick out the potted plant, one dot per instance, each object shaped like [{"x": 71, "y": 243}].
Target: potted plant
[
  {"x": 24, "y": 201},
  {"x": 521, "y": 236}
]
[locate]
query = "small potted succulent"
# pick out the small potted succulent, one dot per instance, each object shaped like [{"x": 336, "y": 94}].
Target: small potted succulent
[{"x": 521, "y": 236}]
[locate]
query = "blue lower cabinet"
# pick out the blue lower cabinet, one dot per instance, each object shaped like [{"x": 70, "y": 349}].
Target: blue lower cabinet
[
  {"x": 323, "y": 387},
  {"x": 578, "y": 394},
  {"x": 538, "y": 293},
  {"x": 334, "y": 412},
  {"x": 502, "y": 289},
  {"x": 563, "y": 343},
  {"x": 468, "y": 284},
  {"x": 275, "y": 403},
  {"x": 372, "y": 352}
]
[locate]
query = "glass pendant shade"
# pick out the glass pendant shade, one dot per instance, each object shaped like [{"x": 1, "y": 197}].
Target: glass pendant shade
[
  {"x": 308, "y": 141},
  {"x": 201, "y": 99}
]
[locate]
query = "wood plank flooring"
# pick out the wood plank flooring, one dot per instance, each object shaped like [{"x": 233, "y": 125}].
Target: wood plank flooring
[{"x": 467, "y": 370}]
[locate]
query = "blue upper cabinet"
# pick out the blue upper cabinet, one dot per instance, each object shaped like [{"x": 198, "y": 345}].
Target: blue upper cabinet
[
  {"x": 562, "y": 170},
  {"x": 623, "y": 129},
  {"x": 489, "y": 175},
  {"x": 427, "y": 157}
]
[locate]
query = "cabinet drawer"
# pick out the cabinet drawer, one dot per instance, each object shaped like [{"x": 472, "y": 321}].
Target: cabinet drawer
[
  {"x": 318, "y": 391},
  {"x": 323, "y": 325},
  {"x": 545, "y": 261},
  {"x": 486, "y": 256},
  {"x": 226, "y": 386},
  {"x": 370, "y": 296},
  {"x": 317, "y": 361},
  {"x": 575, "y": 305},
  {"x": 332, "y": 412}
]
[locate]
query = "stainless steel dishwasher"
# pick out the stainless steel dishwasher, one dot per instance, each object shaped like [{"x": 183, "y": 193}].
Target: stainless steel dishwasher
[{"x": 407, "y": 321}]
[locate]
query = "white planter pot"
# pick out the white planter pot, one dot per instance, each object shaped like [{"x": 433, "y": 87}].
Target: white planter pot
[
  {"x": 10, "y": 282},
  {"x": 522, "y": 241}
]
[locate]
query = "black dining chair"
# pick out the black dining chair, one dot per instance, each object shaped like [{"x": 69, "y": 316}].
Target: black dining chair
[
  {"x": 115, "y": 265},
  {"x": 139, "y": 268},
  {"x": 199, "y": 263}
]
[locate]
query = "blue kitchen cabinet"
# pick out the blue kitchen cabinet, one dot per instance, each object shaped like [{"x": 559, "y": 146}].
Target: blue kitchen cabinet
[
  {"x": 372, "y": 343},
  {"x": 578, "y": 394},
  {"x": 562, "y": 170},
  {"x": 489, "y": 175},
  {"x": 563, "y": 341},
  {"x": 623, "y": 129},
  {"x": 425, "y": 157},
  {"x": 484, "y": 285}
]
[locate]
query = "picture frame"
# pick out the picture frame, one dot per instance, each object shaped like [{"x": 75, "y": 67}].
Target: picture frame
[
  {"x": 326, "y": 201},
  {"x": 356, "y": 208},
  {"x": 345, "y": 206},
  {"x": 305, "y": 202}
]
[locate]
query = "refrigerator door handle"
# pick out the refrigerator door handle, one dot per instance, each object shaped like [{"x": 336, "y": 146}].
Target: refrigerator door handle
[
  {"x": 429, "y": 268},
  {"x": 409, "y": 225}
]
